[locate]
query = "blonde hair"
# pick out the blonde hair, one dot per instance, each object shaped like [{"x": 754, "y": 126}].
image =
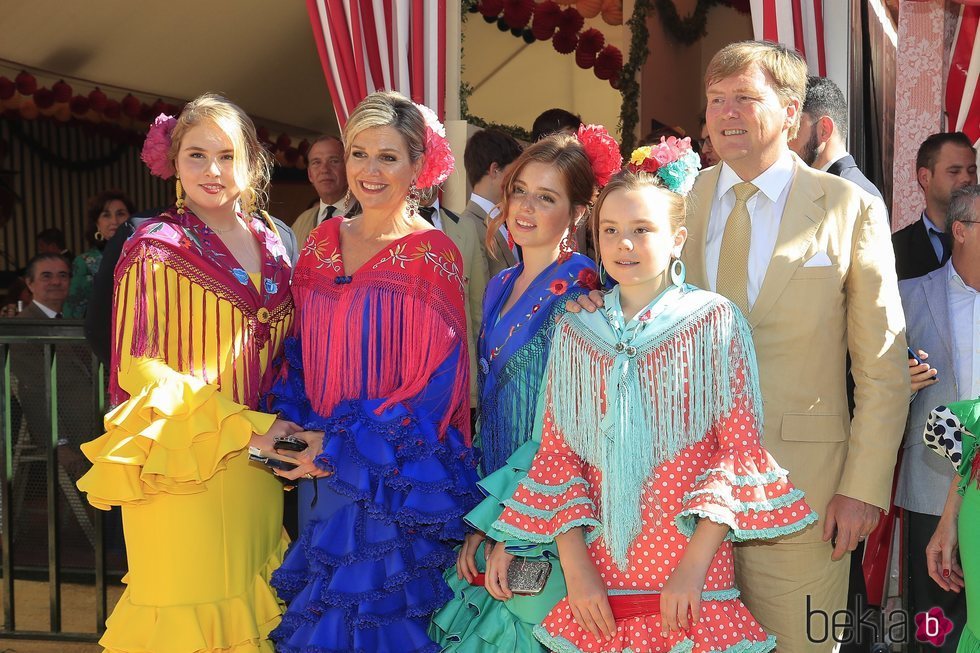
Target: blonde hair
[
  {"x": 388, "y": 109},
  {"x": 785, "y": 70},
  {"x": 564, "y": 152},
  {"x": 252, "y": 163},
  {"x": 626, "y": 181}
]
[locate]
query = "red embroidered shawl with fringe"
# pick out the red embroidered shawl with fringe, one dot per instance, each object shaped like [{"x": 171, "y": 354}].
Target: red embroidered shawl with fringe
[{"x": 386, "y": 328}]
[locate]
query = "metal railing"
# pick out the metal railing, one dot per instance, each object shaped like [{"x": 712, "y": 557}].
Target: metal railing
[{"x": 51, "y": 355}]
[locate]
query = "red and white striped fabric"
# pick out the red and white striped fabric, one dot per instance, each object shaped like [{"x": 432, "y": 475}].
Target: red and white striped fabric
[
  {"x": 373, "y": 45},
  {"x": 817, "y": 29},
  {"x": 962, "y": 102}
]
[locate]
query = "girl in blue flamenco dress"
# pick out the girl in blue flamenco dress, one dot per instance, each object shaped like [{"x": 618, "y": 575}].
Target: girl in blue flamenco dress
[
  {"x": 377, "y": 371},
  {"x": 547, "y": 194}
]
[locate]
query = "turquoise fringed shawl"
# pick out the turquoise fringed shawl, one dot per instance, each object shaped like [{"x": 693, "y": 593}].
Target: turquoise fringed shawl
[{"x": 619, "y": 397}]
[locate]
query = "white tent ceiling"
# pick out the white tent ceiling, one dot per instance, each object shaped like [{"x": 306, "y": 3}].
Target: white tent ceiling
[{"x": 259, "y": 53}]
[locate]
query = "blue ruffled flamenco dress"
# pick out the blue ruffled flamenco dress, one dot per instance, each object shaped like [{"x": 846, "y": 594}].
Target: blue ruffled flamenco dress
[{"x": 366, "y": 571}]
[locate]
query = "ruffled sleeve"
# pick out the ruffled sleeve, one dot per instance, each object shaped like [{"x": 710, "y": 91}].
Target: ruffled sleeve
[
  {"x": 950, "y": 432},
  {"x": 743, "y": 487},
  {"x": 174, "y": 432},
  {"x": 554, "y": 497}
]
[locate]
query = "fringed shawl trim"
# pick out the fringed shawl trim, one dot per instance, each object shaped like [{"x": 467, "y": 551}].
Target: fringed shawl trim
[
  {"x": 174, "y": 242},
  {"x": 629, "y": 399},
  {"x": 384, "y": 331}
]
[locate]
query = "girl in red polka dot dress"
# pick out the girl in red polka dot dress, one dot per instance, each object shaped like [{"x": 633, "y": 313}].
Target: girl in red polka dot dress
[{"x": 650, "y": 464}]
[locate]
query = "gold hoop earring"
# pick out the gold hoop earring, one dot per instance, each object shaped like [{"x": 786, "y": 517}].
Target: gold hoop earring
[
  {"x": 98, "y": 236},
  {"x": 180, "y": 198}
]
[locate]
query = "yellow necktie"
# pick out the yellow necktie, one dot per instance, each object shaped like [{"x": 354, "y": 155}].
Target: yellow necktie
[{"x": 733, "y": 260}]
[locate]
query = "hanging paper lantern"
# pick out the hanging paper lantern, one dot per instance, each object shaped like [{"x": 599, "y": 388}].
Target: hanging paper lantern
[
  {"x": 608, "y": 62},
  {"x": 158, "y": 107},
  {"x": 570, "y": 20},
  {"x": 491, "y": 8},
  {"x": 130, "y": 106},
  {"x": 97, "y": 99},
  {"x": 545, "y": 20},
  {"x": 44, "y": 98},
  {"x": 589, "y": 8},
  {"x": 564, "y": 42},
  {"x": 612, "y": 12},
  {"x": 7, "y": 88},
  {"x": 303, "y": 147},
  {"x": 111, "y": 110},
  {"x": 26, "y": 83},
  {"x": 62, "y": 91},
  {"x": 589, "y": 43},
  {"x": 79, "y": 105},
  {"x": 517, "y": 13},
  {"x": 170, "y": 109}
]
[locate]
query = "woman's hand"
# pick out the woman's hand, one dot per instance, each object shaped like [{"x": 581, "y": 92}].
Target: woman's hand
[
  {"x": 498, "y": 562},
  {"x": 681, "y": 597},
  {"x": 589, "y": 303},
  {"x": 587, "y": 597},
  {"x": 942, "y": 552},
  {"x": 466, "y": 558},
  {"x": 304, "y": 460},
  {"x": 279, "y": 429}
]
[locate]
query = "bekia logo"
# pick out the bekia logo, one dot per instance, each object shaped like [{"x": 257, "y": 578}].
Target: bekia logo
[{"x": 932, "y": 627}]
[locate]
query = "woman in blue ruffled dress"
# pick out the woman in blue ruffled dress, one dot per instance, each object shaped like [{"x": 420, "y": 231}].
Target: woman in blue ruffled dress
[
  {"x": 547, "y": 193},
  {"x": 377, "y": 371}
]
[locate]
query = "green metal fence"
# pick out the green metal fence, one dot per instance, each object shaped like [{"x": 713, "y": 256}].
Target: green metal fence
[{"x": 52, "y": 398}]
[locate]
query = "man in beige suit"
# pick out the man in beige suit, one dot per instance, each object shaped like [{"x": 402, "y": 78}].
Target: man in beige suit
[
  {"x": 327, "y": 172},
  {"x": 467, "y": 234},
  {"x": 487, "y": 159},
  {"x": 807, "y": 257}
]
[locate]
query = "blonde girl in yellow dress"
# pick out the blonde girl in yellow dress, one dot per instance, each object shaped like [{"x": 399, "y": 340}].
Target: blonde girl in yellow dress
[{"x": 202, "y": 305}]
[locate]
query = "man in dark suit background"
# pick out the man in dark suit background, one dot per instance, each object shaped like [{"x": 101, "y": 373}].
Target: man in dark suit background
[
  {"x": 822, "y": 139},
  {"x": 946, "y": 162}
]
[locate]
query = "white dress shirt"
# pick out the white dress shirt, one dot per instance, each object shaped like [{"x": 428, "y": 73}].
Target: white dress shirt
[
  {"x": 830, "y": 163},
  {"x": 964, "y": 322},
  {"x": 340, "y": 208},
  {"x": 765, "y": 211},
  {"x": 47, "y": 311}
]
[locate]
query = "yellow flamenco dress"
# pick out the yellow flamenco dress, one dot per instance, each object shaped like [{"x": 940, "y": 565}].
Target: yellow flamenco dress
[{"x": 195, "y": 339}]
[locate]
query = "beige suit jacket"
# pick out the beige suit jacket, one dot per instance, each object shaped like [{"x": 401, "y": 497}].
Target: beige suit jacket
[
  {"x": 503, "y": 258},
  {"x": 306, "y": 221},
  {"x": 805, "y": 321},
  {"x": 467, "y": 233}
]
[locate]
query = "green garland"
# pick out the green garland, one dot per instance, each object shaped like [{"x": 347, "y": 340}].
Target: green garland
[
  {"x": 685, "y": 30},
  {"x": 629, "y": 87}
]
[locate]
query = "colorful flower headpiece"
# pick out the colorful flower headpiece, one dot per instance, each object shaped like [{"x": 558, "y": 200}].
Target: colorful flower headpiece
[
  {"x": 156, "y": 147},
  {"x": 439, "y": 159},
  {"x": 602, "y": 150},
  {"x": 672, "y": 160}
]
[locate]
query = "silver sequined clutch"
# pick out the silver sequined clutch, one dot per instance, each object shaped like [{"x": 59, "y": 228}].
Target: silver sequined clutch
[{"x": 528, "y": 577}]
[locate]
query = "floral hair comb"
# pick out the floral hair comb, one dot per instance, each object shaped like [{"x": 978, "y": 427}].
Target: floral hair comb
[
  {"x": 602, "y": 150},
  {"x": 671, "y": 161},
  {"x": 156, "y": 147},
  {"x": 439, "y": 159}
]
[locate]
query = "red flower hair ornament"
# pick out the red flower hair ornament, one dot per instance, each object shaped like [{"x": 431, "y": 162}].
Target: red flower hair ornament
[
  {"x": 602, "y": 150},
  {"x": 439, "y": 161},
  {"x": 156, "y": 147}
]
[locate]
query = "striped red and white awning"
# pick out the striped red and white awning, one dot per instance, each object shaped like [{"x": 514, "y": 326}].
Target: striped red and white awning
[
  {"x": 817, "y": 29},
  {"x": 962, "y": 101}
]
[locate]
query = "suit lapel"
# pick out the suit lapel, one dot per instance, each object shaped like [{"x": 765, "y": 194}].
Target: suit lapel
[
  {"x": 936, "y": 293},
  {"x": 699, "y": 213},
  {"x": 797, "y": 226}
]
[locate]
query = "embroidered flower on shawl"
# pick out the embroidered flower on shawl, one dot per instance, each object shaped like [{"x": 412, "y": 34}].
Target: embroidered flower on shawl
[
  {"x": 156, "y": 147},
  {"x": 439, "y": 160},
  {"x": 587, "y": 278},
  {"x": 602, "y": 150},
  {"x": 558, "y": 287},
  {"x": 271, "y": 286},
  {"x": 241, "y": 275}
]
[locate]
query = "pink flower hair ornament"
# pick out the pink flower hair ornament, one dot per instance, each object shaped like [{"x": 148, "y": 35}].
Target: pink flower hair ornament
[
  {"x": 602, "y": 150},
  {"x": 439, "y": 160},
  {"x": 156, "y": 147},
  {"x": 672, "y": 161}
]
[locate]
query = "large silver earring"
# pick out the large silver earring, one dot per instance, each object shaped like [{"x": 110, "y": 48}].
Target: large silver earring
[{"x": 678, "y": 274}]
